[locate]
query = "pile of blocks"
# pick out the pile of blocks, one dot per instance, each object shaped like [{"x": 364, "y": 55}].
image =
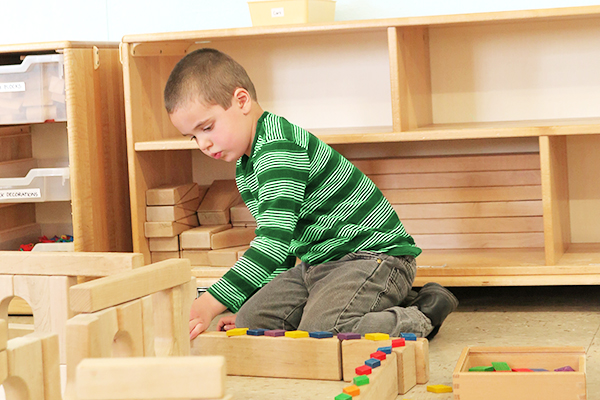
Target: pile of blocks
[
  {"x": 401, "y": 362},
  {"x": 205, "y": 224}
]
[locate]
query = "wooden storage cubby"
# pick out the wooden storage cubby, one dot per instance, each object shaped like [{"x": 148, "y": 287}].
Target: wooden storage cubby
[
  {"x": 89, "y": 139},
  {"x": 497, "y": 114}
]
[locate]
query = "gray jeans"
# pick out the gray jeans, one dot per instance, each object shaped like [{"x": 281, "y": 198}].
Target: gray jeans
[{"x": 359, "y": 293}]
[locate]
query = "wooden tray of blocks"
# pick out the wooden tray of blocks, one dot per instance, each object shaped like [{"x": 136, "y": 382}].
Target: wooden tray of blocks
[{"x": 525, "y": 379}]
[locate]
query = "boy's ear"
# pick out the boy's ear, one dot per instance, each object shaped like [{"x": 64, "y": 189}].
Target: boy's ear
[{"x": 242, "y": 99}]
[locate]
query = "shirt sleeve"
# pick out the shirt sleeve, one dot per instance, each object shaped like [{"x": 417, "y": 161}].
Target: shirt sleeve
[{"x": 281, "y": 169}]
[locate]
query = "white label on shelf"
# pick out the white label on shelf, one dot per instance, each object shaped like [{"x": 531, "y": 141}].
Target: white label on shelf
[
  {"x": 6, "y": 87},
  {"x": 277, "y": 12},
  {"x": 13, "y": 194}
]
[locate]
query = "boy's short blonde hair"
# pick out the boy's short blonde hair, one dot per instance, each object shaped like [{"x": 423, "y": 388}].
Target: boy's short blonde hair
[{"x": 207, "y": 75}]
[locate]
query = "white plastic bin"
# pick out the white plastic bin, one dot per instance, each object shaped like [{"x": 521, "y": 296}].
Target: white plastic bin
[
  {"x": 33, "y": 91},
  {"x": 40, "y": 184}
]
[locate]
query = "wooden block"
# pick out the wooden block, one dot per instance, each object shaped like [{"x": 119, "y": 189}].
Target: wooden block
[
  {"x": 457, "y": 179},
  {"x": 18, "y": 330},
  {"x": 88, "y": 336},
  {"x": 209, "y": 272},
  {"x": 421, "y": 359},
  {"x": 225, "y": 257},
  {"x": 241, "y": 214},
  {"x": 278, "y": 357},
  {"x": 407, "y": 374},
  {"x": 25, "y": 367},
  {"x": 383, "y": 383},
  {"x": 50, "y": 364},
  {"x": 169, "y": 229},
  {"x": 169, "y": 195},
  {"x": 214, "y": 208},
  {"x": 158, "y": 256},
  {"x": 232, "y": 237},
  {"x": 129, "y": 341},
  {"x": 120, "y": 288},
  {"x": 377, "y": 336},
  {"x": 171, "y": 309},
  {"x": 200, "y": 237},
  {"x": 3, "y": 334},
  {"x": 68, "y": 264},
  {"x": 3, "y": 365},
  {"x": 203, "y": 283},
  {"x": 48, "y": 297},
  {"x": 171, "y": 213},
  {"x": 148, "y": 325},
  {"x": 164, "y": 244},
  {"x": 196, "y": 257},
  {"x": 151, "y": 378},
  {"x": 355, "y": 352},
  {"x": 548, "y": 385}
]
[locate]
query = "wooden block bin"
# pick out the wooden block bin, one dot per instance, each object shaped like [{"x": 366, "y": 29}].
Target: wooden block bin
[{"x": 549, "y": 385}]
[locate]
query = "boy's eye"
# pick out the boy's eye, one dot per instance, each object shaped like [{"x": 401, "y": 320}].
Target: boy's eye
[{"x": 207, "y": 128}]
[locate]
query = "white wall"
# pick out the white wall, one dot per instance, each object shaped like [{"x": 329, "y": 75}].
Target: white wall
[{"x": 108, "y": 20}]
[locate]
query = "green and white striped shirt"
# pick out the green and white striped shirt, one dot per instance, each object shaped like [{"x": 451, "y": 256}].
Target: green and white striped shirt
[{"x": 309, "y": 202}]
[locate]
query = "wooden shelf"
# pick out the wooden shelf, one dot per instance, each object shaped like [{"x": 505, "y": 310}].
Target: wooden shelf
[{"x": 385, "y": 134}]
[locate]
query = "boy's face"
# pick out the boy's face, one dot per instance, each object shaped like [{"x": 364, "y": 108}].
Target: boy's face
[{"x": 220, "y": 134}]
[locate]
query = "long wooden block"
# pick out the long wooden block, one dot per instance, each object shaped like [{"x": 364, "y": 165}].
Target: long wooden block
[
  {"x": 196, "y": 257},
  {"x": 50, "y": 364},
  {"x": 241, "y": 213},
  {"x": 89, "y": 336},
  {"x": 164, "y": 244},
  {"x": 171, "y": 228},
  {"x": 167, "y": 213},
  {"x": 200, "y": 237},
  {"x": 151, "y": 378},
  {"x": 3, "y": 334},
  {"x": 18, "y": 330},
  {"x": 225, "y": 257},
  {"x": 3, "y": 365},
  {"x": 68, "y": 264},
  {"x": 129, "y": 341},
  {"x": 148, "y": 325},
  {"x": 383, "y": 384},
  {"x": 25, "y": 360},
  {"x": 158, "y": 256},
  {"x": 120, "y": 288},
  {"x": 421, "y": 359},
  {"x": 209, "y": 272},
  {"x": 214, "y": 208},
  {"x": 277, "y": 357},
  {"x": 407, "y": 374},
  {"x": 171, "y": 310},
  {"x": 232, "y": 237},
  {"x": 169, "y": 195},
  {"x": 355, "y": 352}
]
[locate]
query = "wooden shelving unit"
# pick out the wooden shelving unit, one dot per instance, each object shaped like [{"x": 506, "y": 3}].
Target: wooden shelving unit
[
  {"x": 92, "y": 138},
  {"x": 430, "y": 88}
]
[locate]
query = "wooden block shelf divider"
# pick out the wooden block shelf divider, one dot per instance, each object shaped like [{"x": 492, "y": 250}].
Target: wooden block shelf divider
[{"x": 487, "y": 168}]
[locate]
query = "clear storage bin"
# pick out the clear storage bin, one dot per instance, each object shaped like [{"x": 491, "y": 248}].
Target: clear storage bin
[
  {"x": 40, "y": 184},
  {"x": 33, "y": 91}
]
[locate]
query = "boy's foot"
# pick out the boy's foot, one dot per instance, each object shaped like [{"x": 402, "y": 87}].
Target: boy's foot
[{"x": 436, "y": 302}]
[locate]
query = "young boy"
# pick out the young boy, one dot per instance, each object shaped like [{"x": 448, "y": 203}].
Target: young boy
[{"x": 357, "y": 261}]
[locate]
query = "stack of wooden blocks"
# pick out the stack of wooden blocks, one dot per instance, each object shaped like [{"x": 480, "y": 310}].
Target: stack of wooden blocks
[{"x": 209, "y": 225}]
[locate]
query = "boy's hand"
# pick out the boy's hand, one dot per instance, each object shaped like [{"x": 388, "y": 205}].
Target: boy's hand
[
  {"x": 226, "y": 323},
  {"x": 203, "y": 310}
]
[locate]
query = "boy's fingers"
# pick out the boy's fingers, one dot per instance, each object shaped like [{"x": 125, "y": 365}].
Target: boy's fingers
[{"x": 195, "y": 332}]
